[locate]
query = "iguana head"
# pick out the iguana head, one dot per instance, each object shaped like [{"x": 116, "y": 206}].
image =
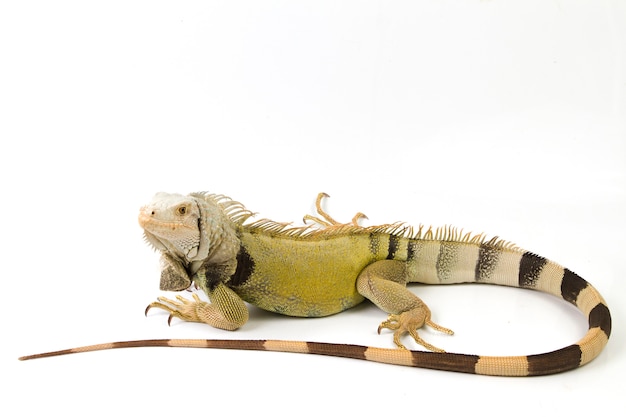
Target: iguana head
[
  {"x": 191, "y": 232},
  {"x": 173, "y": 223}
]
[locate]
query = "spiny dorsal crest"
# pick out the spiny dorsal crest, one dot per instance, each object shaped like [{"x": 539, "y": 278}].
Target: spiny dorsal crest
[{"x": 239, "y": 215}]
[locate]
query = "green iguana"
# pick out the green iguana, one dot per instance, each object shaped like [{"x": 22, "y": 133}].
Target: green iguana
[{"x": 206, "y": 240}]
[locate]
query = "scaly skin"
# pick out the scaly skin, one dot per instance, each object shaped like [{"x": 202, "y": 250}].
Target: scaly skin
[{"x": 206, "y": 241}]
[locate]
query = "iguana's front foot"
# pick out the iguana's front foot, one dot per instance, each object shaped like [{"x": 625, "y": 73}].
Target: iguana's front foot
[
  {"x": 224, "y": 311},
  {"x": 183, "y": 309},
  {"x": 409, "y": 322}
]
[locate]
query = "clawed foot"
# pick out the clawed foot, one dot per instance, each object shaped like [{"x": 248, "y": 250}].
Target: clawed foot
[
  {"x": 183, "y": 309},
  {"x": 409, "y": 322},
  {"x": 326, "y": 220}
]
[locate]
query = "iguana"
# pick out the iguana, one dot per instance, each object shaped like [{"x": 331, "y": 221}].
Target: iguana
[{"x": 208, "y": 241}]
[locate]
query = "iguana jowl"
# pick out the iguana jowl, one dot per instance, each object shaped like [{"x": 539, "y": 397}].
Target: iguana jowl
[{"x": 206, "y": 240}]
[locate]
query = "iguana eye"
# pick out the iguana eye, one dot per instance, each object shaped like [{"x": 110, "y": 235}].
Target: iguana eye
[{"x": 182, "y": 210}]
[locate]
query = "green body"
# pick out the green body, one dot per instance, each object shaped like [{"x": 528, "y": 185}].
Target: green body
[
  {"x": 307, "y": 277},
  {"x": 314, "y": 272}
]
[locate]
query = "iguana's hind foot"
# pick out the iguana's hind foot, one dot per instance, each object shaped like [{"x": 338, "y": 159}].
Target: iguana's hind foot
[
  {"x": 326, "y": 220},
  {"x": 409, "y": 322},
  {"x": 383, "y": 283}
]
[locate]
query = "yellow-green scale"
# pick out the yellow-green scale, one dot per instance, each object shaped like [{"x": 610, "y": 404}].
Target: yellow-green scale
[{"x": 307, "y": 276}]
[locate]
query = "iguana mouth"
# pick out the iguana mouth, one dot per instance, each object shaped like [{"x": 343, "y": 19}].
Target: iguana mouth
[
  {"x": 144, "y": 219},
  {"x": 147, "y": 221},
  {"x": 158, "y": 229}
]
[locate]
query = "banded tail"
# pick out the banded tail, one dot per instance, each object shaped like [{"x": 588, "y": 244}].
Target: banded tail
[
  {"x": 543, "y": 364},
  {"x": 573, "y": 289}
]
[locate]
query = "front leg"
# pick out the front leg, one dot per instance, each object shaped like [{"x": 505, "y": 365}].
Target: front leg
[
  {"x": 384, "y": 283},
  {"x": 226, "y": 311}
]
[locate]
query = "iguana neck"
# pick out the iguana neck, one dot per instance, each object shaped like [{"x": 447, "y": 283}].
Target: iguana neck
[{"x": 218, "y": 238}]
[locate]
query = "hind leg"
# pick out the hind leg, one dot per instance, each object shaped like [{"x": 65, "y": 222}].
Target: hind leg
[{"x": 384, "y": 283}]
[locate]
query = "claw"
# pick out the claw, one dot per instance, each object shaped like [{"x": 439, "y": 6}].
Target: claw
[
  {"x": 391, "y": 323},
  {"x": 320, "y": 210},
  {"x": 357, "y": 217},
  {"x": 439, "y": 327},
  {"x": 157, "y": 305}
]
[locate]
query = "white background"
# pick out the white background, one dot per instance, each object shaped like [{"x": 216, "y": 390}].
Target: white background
[{"x": 502, "y": 116}]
